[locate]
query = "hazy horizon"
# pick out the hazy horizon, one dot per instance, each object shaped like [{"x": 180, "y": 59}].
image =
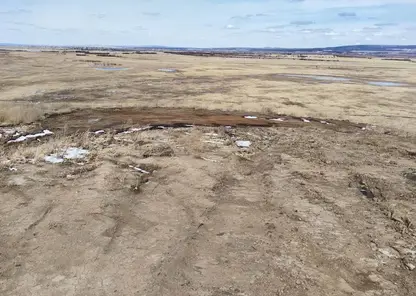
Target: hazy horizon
[{"x": 6, "y": 44}]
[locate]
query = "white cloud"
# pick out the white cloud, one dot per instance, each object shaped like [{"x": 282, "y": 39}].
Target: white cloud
[
  {"x": 230, "y": 27},
  {"x": 221, "y": 23}
]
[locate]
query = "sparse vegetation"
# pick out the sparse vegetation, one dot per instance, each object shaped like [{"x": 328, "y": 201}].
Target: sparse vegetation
[
  {"x": 215, "y": 83},
  {"x": 320, "y": 206},
  {"x": 17, "y": 113}
]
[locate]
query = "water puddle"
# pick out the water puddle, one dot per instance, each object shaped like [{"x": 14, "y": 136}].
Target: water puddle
[
  {"x": 110, "y": 69},
  {"x": 319, "y": 77},
  {"x": 344, "y": 79},
  {"x": 386, "y": 83},
  {"x": 168, "y": 70}
]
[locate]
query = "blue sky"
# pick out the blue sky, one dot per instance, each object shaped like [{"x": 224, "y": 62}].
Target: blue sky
[{"x": 208, "y": 23}]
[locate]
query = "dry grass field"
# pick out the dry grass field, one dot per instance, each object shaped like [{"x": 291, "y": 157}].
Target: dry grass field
[
  {"x": 54, "y": 83},
  {"x": 165, "y": 202}
]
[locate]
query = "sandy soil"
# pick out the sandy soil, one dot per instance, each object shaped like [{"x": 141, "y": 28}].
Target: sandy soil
[{"x": 309, "y": 208}]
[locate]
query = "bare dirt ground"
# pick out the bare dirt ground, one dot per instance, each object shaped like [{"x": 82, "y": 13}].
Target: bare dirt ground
[{"x": 317, "y": 205}]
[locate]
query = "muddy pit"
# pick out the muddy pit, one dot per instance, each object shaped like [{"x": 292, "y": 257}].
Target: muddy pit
[{"x": 97, "y": 119}]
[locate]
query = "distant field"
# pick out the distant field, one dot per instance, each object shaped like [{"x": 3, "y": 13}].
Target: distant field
[{"x": 56, "y": 82}]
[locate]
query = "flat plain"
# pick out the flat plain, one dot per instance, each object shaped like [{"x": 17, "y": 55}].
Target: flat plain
[{"x": 322, "y": 202}]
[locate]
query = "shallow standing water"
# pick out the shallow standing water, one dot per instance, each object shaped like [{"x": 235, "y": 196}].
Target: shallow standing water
[
  {"x": 319, "y": 77},
  {"x": 345, "y": 79},
  {"x": 168, "y": 70},
  {"x": 386, "y": 83},
  {"x": 110, "y": 69}
]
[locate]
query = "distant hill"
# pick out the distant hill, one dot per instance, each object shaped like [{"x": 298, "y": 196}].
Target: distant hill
[{"x": 346, "y": 49}]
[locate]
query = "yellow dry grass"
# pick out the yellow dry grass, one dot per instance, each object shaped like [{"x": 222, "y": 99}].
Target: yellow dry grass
[
  {"x": 56, "y": 144},
  {"x": 68, "y": 82},
  {"x": 12, "y": 113}
]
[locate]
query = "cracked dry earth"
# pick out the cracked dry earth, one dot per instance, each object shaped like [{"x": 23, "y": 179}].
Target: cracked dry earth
[{"x": 303, "y": 211}]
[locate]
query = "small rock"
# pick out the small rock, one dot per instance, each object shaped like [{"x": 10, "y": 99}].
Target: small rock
[
  {"x": 410, "y": 266},
  {"x": 58, "y": 278},
  {"x": 388, "y": 252},
  {"x": 374, "y": 278},
  {"x": 385, "y": 284},
  {"x": 70, "y": 177},
  {"x": 410, "y": 174},
  {"x": 345, "y": 287},
  {"x": 17, "y": 181}
]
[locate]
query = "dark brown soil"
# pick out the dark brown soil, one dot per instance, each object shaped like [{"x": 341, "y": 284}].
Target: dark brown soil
[{"x": 95, "y": 119}]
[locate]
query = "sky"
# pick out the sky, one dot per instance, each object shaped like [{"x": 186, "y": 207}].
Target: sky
[{"x": 208, "y": 23}]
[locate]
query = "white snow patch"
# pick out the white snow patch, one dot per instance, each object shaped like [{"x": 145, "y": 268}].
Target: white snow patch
[
  {"x": 35, "y": 136},
  {"x": 324, "y": 122},
  {"x": 69, "y": 153},
  {"x": 305, "y": 120},
  {"x": 136, "y": 129},
  {"x": 99, "y": 132},
  {"x": 386, "y": 252},
  {"x": 53, "y": 158},
  {"x": 75, "y": 153},
  {"x": 243, "y": 144},
  {"x": 215, "y": 141},
  {"x": 250, "y": 117},
  {"x": 139, "y": 169},
  {"x": 277, "y": 119},
  {"x": 207, "y": 159},
  {"x": 9, "y": 131},
  {"x": 12, "y": 169}
]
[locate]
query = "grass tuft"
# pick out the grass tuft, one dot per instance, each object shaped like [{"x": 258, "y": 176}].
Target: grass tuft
[{"x": 11, "y": 114}]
